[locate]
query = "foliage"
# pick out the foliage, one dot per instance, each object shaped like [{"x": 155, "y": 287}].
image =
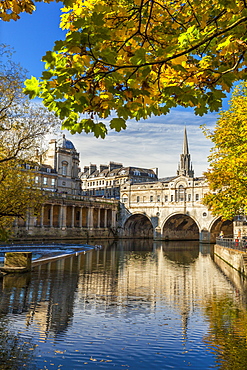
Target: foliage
[
  {"x": 228, "y": 333},
  {"x": 137, "y": 58},
  {"x": 10, "y": 9},
  {"x": 227, "y": 174},
  {"x": 23, "y": 127}
]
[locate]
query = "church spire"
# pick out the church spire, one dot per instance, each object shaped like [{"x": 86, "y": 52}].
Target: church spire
[
  {"x": 185, "y": 165},
  {"x": 185, "y": 144}
]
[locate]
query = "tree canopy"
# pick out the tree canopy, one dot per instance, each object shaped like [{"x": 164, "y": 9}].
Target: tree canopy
[
  {"x": 11, "y": 9},
  {"x": 136, "y": 58},
  {"x": 227, "y": 174},
  {"x": 23, "y": 127}
]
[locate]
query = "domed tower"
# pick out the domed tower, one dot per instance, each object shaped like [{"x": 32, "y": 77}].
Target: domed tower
[
  {"x": 185, "y": 165},
  {"x": 64, "y": 159}
]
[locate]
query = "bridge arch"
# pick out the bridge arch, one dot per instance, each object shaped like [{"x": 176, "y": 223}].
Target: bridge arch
[
  {"x": 180, "y": 226},
  {"x": 219, "y": 225},
  {"x": 138, "y": 226}
]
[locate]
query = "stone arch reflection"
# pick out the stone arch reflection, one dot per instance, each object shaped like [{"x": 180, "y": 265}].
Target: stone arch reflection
[
  {"x": 180, "y": 227},
  {"x": 138, "y": 226}
]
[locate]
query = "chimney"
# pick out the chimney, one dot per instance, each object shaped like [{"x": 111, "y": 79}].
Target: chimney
[
  {"x": 103, "y": 167},
  {"x": 114, "y": 165},
  {"x": 92, "y": 168},
  {"x": 156, "y": 170}
]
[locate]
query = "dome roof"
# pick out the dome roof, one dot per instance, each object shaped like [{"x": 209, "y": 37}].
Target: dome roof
[{"x": 64, "y": 143}]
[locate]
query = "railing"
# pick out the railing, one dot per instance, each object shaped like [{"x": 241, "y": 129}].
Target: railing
[{"x": 238, "y": 243}]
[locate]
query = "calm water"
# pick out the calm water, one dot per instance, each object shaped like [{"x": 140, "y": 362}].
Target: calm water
[{"x": 133, "y": 305}]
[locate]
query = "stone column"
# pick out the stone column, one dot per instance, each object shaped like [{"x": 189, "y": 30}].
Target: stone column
[
  {"x": 105, "y": 218},
  {"x": 98, "y": 221},
  {"x": 90, "y": 218},
  {"x": 51, "y": 215},
  {"x": 42, "y": 217},
  {"x": 62, "y": 216},
  {"x": 113, "y": 218},
  {"x": 73, "y": 217},
  {"x": 80, "y": 220}
]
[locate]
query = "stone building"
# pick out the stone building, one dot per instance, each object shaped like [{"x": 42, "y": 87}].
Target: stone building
[
  {"x": 58, "y": 168},
  {"x": 106, "y": 180},
  {"x": 66, "y": 212},
  {"x": 171, "y": 208},
  {"x": 62, "y": 159}
]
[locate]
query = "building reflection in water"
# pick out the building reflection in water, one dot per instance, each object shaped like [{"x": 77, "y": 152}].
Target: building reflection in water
[{"x": 128, "y": 274}]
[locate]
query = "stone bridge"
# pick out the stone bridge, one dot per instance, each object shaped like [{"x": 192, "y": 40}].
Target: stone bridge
[{"x": 169, "y": 210}]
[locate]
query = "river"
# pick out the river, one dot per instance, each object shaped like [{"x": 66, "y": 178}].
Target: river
[{"x": 130, "y": 305}]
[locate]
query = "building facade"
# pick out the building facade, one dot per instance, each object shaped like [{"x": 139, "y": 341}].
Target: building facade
[
  {"x": 170, "y": 208},
  {"x": 106, "y": 180},
  {"x": 66, "y": 213}
]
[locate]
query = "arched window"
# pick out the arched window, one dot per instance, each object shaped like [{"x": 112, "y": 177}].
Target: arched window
[
  {"x": 64, "y": 168},
  {"x": 181, "y": 193},
  {"x": 125, "y": 198}
]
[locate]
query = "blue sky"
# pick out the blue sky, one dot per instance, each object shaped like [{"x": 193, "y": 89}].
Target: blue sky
[{"x": 156, "y": 142}]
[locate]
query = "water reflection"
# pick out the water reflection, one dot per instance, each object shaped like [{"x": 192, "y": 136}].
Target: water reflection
[{"x": 136, "y": 304}]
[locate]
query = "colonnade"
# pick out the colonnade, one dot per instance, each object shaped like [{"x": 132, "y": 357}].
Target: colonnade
[{"x": 72, "y": 215}]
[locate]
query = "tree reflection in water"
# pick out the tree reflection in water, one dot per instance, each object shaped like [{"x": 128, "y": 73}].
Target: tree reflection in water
[
  {"x": 227, "y": 337},
  {"x": 170, "y": 297}
]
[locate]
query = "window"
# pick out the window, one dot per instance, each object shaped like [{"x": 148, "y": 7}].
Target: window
[
  {"x": 52, "y": 182},
  {"x": 180, "y": 193},
  {"x": 48, "y": 170},
  {"x": 138, "y": 199},
  {"x": 36, "y": 179},
  {"x": 166, "y": 198},
  {"x": 45, "y": 180},
  {"x": 125, "y": 198},
  {"x": 189, "y": 197},
  {"x": 64, "y": 168},
  {"x": 171, "y": 198},
  {"x": 197, "y": 196},
  {"x": 28, "y": 166},
  {"x": 151, "y": 198},
  {"x": 158, "y": 198}
]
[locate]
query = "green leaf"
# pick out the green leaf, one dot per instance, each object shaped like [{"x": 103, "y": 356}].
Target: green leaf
[
  {"x": 32, "y": 88},
  {"x": 46, "y": 75},
  {"x": 118, "y": 124}
]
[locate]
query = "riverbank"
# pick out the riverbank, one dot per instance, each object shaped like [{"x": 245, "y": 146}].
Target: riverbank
[{"x": 237, "y": 259}]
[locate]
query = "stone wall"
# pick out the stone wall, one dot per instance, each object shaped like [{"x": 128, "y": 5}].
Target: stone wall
[{"x": 232, "y": 257}]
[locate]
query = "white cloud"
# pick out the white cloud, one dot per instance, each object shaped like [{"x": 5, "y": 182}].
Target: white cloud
[{"x": 156, "y": 142}]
